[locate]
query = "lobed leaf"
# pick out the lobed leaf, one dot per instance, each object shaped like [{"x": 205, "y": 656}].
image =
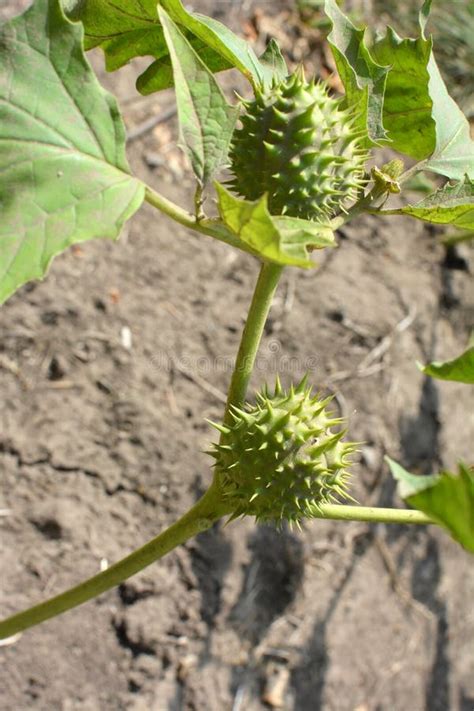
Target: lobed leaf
[
  {"x": 206, "y": 120},
  {"x": 364, "y": 80},
  {"x": 453, "y": 154},
  {"x": 447, "y": 498},
  {"x": 279, "y": 239},
  {"x": 131, "y": 28},
  {"x": 64, "y": 176},
  {"x": 460, "y": 369},
  {"x": 123, "y": 30},
  {"x": 453, "y": 204},
  {"x": 236, "y": 51},
  {"x": 398, "y": 89},
  {"x": 407, "y": 106}
]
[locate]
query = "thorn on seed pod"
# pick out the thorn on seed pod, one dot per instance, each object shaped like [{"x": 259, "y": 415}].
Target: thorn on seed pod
[{"x": 281, "y": 458}]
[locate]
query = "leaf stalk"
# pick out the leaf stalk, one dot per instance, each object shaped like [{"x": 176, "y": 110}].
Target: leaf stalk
[
  {"x": 371, "y": 514},
  {"x": 210, "y": 227}
]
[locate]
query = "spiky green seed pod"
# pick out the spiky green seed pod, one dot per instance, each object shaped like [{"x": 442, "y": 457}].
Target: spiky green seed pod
[
  {"x": 300, "y": 147},
  {"x": 281, "y": 459}
]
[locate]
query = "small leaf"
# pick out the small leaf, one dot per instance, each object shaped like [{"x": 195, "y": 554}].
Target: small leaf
[
  {"x": 424, "y": 15},
  {"x": 460, "y": 369},
  {"x": 447, "y": 498},
  {"x": 273, "y": 64},
  {"x": 408, "y": 98},
  {"x": 279, "y": 239},
  {"x": 407, "y": 104},
  {"x": 364, "y": 80},
  {"x": 64, "y": 174},
  {"x": 206, "y": 120},
  {"x": 453, "y": 204}
]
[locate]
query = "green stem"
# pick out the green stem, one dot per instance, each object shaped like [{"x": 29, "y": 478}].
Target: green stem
[
  {"x": 170, "y": 208},
  {"x": 198, "y": 203},
  {"x": 369, "y": 514},
  {"x": 199, "y": 518},
  {"x": 251, "y": 335},
  {"x": 261, "y": 301},
  {"x": 210, "y": 227}
]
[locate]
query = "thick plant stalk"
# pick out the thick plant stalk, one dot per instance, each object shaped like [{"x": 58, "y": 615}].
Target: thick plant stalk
[
  {"x": 252, "y": 334},
  {"x": 200, "y": 517}
]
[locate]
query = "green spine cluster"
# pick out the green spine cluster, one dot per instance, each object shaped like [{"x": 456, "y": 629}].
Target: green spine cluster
[
  {"x": 299, "y": 146},
  {"x": 280, "y": 459}
]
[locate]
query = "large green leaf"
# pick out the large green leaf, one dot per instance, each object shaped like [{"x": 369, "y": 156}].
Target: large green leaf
[
  {"x": 124, "y": 29},
  {"x": 206, "y": 120},
  {"x": 279, "y": 239},
  {"x": 236, "y": 51},
  {"x": 63, "y": 172},
  {"x": 460, "y": 369},
  {"x": 408, "y": 98},
  {"x": 159, "y": 74},
  {"x": 447, "y": 498},
  {"x": 131, "y": 28},
  {"x": 364, "y": 80},
  {"x": 454, "y": 152},
  {"x": 453, "y": 155},
  {"x": 407, "y": 104},
  {"x": 453, "y": 204}
]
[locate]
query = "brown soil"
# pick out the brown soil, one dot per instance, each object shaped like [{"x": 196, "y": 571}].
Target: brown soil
[{"x": 108, "y": 370}]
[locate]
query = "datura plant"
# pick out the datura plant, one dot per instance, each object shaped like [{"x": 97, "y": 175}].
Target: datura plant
[{"x": 297, "y": 159}]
